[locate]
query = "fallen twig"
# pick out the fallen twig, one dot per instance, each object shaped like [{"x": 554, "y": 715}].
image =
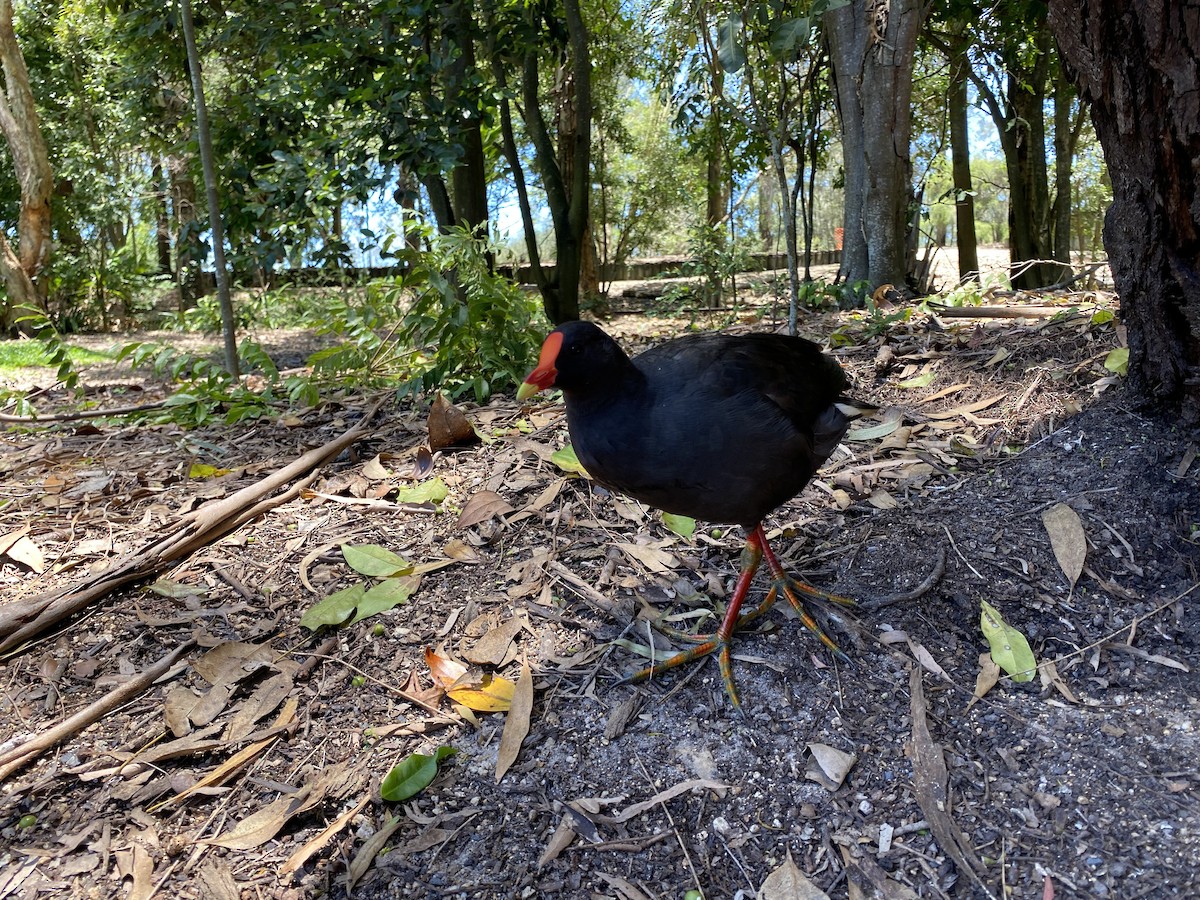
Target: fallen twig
[
  {"x": 22, "y": 620},
  {"x": 25, "y": 753},
  {"x": 939, "y": 569}
]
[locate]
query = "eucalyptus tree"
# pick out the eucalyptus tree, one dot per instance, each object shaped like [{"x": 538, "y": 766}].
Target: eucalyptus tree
[
  {"x": 22, "y": 266},
  {"x": 523, "y": 39},
  {"x": 781, "y": 67},
  {"x": 1138, "y": 64},
  {"x": 1016, "y": 72},
  {"x": 871, "y": 49}
]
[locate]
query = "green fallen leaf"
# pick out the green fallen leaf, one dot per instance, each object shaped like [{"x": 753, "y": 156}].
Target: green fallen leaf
[
  {"x": 925, "y": 379},
  {"x": 373, "y": 560},
  {"x": 412, "y": 775},
  {"x": 684, "y": 526},
  {"x": 872, "y": 432},
  {"x": 432, "y": 491},
  {"x": 1117, "y": 361},
  {"x": 1102, "y": 316},
  {"x": 334, "y": 609},
  {"x": 566, "y": 460},
  {"x": 1010, "y": 650},
  {"x": 389, "y": 593}
]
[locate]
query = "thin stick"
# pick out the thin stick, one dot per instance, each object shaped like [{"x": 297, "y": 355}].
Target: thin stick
[
  {"x": 687, "y": 857},
  {"x": 19, "y": 756},
  {"x": 959, "y": 552}
]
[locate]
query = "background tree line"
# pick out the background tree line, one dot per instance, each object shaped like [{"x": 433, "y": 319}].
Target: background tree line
[{"x": 592, "y": 130}]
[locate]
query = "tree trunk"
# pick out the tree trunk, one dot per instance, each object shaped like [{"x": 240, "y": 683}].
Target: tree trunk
[
  {"x": 22, "y": 266},
  {"x": 1064, "y": 155},
  {"x": 960, "y": 153},
  {"x": 468, "y": 181},
  {"x": 1138, "y": 62},
  {"x": 162, "y": 220},
  {"x": 215, "y": 223},
  {"x": 187, "y": 238},
  {"x": 871, "y": 52},
  {"x": 568, "y": 201}
]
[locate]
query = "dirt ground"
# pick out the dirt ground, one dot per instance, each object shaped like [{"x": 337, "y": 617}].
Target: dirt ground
[{"x": 880, "y": 778}]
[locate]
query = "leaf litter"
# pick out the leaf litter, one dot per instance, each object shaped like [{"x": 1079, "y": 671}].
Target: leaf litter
[{"x": 951, "y": 452}]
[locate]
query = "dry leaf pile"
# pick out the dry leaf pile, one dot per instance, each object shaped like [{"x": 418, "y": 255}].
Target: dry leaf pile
[{"x": 191, "y": 736}]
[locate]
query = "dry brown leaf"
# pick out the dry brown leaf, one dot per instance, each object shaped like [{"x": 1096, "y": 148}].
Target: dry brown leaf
[
  {"x": 448, "y": 426},
  {"x": 492, "y": 648},
  {"x": 460, "y": 552},
  {"x": 925, "y": 658},
  {"x": 788, "y": 883},
  {"x": 1066, "y": 539},
  {"x": 653, "y": 558},
  {"x": 931, "y": 782},
  {"x": 831, "y": 766},
  {"x": 563, "y": 835},
  {"x": 177, "y": 707},
  {"x": 881, "y": 499},
  {"x": 7, "y": 540},
  {"x": 989, "y": 674},
  {"x": 968, "y": 408},
  {"x": 368, "y": 851},
  {"x": 216, "y": 882},
  {"x": 27, "y": 553},
  {"x": 516, "y": 723},
  {"x": 374, "y": 470},
  {"x": 546, "y": 497},
  {"x": 301, "y": 856},
  {"x": 482, "y": 506},
  {"x": 670, "y": 794},
  {"x": 135, "y": 863},
  {"x": 232, "y": 661},
  {"x": 266, "y": 697},
  {"x": 1050, "y": 677},
  {"x": 622, "y": 886}
]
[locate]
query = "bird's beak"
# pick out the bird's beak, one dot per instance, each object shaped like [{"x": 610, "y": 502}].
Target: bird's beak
[{"x": 545, "y": 374}]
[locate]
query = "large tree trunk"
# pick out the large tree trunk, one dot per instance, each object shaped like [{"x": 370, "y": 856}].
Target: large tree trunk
[
  {"x": 187, "y": 237},
  {"x": 960, "y": 155},
  {"x": 468, "y": 185},
  {"x": 22, "y": 266},
  {"x": 871, "y": 50},
  {"x": 1138, "y": 62}
]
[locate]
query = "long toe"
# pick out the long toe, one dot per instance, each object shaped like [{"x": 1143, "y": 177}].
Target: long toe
[{"x": 715, "y": 643}]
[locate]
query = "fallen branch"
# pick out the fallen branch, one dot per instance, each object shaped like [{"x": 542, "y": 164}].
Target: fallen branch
[
  {"x": 82, "y": 414},
  {"x": 1001, "y": 312},
  {"x": 23, "y": 620},
  {"x": 25, "y": 753}
]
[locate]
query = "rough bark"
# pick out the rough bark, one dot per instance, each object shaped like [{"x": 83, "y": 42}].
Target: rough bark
[
  {"x": 960, "y": 156},
  {"x": 1138, "y": 63},
  {"x": 568, "y": 201},
  {"x": 21, "y": 266},
  {"x": 871, "y": 51},
  {"x": 187, "y": 238}
]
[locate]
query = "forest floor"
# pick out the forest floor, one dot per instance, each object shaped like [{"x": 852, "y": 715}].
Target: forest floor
[{"x": 1005, "y": 455}]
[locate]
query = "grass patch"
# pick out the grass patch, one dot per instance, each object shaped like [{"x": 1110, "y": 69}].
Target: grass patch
[{"x": 32, "y": 355}]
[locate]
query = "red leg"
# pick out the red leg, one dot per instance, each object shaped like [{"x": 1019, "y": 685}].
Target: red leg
[{"x": 721, "y": 641}]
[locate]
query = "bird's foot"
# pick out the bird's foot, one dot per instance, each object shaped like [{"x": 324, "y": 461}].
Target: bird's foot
[
  {"x": 791, "y": 588},
  {"x": 705, "y": 645}
]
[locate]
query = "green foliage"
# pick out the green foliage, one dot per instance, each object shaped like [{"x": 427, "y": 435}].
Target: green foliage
[
  {"x": 285, "y": 307},
  {"x": 461, "y": 328},
  {"x": 716, "y": 259},
  {"x": 412, "y": 775}
]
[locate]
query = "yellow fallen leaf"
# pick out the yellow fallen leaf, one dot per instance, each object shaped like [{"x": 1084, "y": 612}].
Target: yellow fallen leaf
[{"x": 494, "y": 694}]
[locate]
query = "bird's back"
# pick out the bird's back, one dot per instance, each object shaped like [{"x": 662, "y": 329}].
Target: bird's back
[{"x": 718, "y": 427}]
